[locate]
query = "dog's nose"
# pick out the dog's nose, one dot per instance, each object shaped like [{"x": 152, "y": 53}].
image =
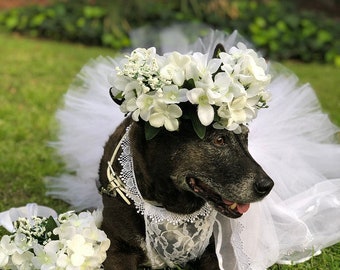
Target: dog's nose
[{"x": 263, "y": 186}]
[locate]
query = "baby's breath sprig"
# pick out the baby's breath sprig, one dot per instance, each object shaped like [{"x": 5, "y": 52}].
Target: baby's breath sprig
[{"x": 38, "y": 229}]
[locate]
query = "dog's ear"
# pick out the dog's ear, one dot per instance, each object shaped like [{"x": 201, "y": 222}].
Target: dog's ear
[
  {"x": 218, "y": 49},
  {"x": 115, "y": 99}
]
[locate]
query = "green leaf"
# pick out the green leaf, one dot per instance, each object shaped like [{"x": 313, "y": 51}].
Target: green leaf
[
  {"x": 50, "y": 224},
  {"x": 150, "y": 131},
  {"x": 189, "y": 84},
  {"x": 190, "y": 113},
  {"x": 199, "y": 128}
]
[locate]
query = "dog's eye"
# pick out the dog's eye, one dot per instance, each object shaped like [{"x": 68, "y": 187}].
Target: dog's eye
[{"x": 219, "y": 140}]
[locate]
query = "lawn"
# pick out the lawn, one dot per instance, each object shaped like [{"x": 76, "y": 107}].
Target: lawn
[{"x": 34, "y": 76}]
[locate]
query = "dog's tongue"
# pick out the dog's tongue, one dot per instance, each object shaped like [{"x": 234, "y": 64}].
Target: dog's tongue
[{"x": 240, "y": 207}]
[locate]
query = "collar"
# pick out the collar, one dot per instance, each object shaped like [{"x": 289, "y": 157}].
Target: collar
[{"x": 115, "y": 186}]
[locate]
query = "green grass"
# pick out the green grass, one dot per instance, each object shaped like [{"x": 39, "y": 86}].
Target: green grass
[{"x": 34, "y": 75}]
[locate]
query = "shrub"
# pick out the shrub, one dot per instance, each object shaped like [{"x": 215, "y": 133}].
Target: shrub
[
  {"x": 276, "y": 27},
  {"x": 284, "y": 33},
  {"x": 66, "y": 22}
]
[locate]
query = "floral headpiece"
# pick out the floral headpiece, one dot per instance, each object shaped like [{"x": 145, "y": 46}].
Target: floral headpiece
[{"x": 225, "y": 91}]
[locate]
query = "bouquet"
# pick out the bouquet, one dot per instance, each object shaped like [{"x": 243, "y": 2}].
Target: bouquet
[{"x": 70, "y": 241}]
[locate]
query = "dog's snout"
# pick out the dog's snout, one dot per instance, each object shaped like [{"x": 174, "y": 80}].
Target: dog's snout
[{"x": 263, "y": 186}]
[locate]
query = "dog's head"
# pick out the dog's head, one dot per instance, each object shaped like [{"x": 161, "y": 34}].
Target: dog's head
[{"x": 182, "y": 172}]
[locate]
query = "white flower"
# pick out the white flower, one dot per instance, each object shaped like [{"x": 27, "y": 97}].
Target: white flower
[
  {"x": 63, "y": 261},
  {"x": 100, "y": 252},
  {"x": 23, "y": 260},
  {"x": 4, "y": 257},
  {"x": 129, "y": 104},
  {"x": 92, "y": 234},
  {"x": 65, "y": 217},
  {"x": 202, "y": 66},
  {"x": 23, "y": 242},
  {"x": 166, "y": 115},
  {"x": 220, "y": 91},
  {"x": 144, "y": 105},
  {"x": 204, "y": 110},
  {"x": 80, "y": 248},
  {"x": 65, "y": 231},
  {"x": 237, "y": 109},
  {"x": 206, "y": 83},
  {"x": 45, "y": 257},
  {"x": 174, "y": 69},
  {"x": 7, "y": 248},
  {"x": 102, "y": 248},
  {"x": 142, "y": 60},
  {"x": 80, "y": 220},
  {"x": 234, "y": 113},
  {"x": 172, "y": 94},
  {"x": 97, "y": 217},
  {"x": 245, "y": 65},
  {"x": 118, "y": 83}
]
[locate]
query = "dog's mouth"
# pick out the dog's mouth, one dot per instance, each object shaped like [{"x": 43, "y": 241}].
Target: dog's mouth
[{"x": 224, "y": 206}]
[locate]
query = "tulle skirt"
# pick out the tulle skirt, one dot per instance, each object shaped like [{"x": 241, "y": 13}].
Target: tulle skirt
[{"x": 293, "y": 140}]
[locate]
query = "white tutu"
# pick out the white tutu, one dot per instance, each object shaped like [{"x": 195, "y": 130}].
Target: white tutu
[
  {"x": 292, "y": 140},
  {"x": 88, "y": 118}
]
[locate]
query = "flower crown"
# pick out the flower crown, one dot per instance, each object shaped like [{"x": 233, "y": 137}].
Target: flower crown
[{"x": 225, "y": 91}]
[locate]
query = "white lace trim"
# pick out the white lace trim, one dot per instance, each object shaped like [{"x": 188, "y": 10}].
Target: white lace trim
[
  {"x": 155, "y": 213},
  {"x": 243, "y": 260}
]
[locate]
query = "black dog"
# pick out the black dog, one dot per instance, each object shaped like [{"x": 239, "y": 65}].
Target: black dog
[{"x": 180, "y": 172}]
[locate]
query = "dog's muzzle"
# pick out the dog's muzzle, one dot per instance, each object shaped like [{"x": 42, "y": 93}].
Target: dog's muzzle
[
  {"x": 222, "y": 205},
  {"x": 226, "y": 207}
]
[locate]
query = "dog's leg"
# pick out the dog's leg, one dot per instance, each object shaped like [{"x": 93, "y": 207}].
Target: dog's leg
[
  {"x": 121, "y": 261},
  {"x": 124, "y": 255},
  {"x": 125, "y": 228}
]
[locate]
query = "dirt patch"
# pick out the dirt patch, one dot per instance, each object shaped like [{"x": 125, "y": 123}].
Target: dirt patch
[{"x": 5, "y": 4}]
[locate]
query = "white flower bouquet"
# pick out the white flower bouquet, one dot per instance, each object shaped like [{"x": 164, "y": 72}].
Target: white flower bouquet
[
  {"x": 71, "y": 242},
  {"x": 226, "y": 91}
]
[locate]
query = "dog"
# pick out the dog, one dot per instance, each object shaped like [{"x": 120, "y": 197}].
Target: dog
[{"x": 180, "y": 172}]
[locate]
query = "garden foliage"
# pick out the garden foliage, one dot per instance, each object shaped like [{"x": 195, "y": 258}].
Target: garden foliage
[{"x": 278, "y": 28}]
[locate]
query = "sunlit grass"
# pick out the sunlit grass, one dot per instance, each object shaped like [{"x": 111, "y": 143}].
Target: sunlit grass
[{"x": 34, "y": 76}]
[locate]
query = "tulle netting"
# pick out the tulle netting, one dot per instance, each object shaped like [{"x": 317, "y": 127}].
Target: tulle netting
[{"x": 293, "y": 140}]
